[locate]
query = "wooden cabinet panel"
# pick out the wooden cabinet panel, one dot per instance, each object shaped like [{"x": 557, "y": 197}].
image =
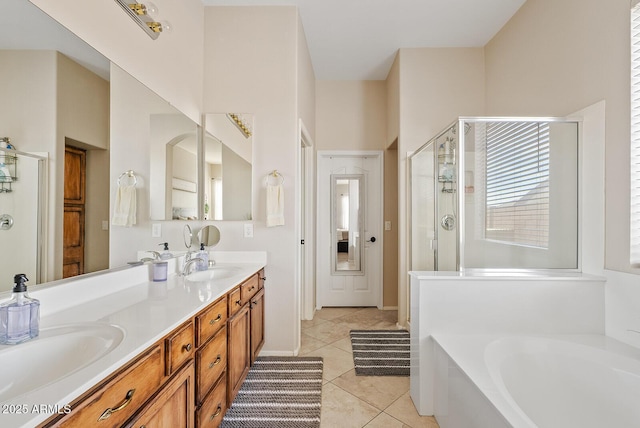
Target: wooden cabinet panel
[
  {"x": 211, "y": 361},
  {"x": 118, "y": 399},
  {"x": 179, "y": 347},
  {"x": 239, "y": 354},
  {"x": 210, "y": 414},
  {"x": 257, "y": 324},
  {"x": 261, "y": 279},
  {"x": 249, "y": 288},
  {"x": 172, "y": 406},
  {"x": 235, "y": 301},
  {"x": 210, "y": 321}
]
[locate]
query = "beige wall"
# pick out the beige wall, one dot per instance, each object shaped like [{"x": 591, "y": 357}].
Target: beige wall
[
  {"x": 390, "y": 267},
  {"x": 264, "y": 74},
  {"x": 554, "y": 58},
  {"x": 435, "y": 87},
  {"x": 351, "y": 115}
]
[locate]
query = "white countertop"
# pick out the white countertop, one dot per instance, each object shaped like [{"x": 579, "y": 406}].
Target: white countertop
[{"x": 146, "y": 311}]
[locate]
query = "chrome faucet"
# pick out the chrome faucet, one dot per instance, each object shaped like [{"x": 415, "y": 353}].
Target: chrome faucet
[{"x": 189, "y": 263}]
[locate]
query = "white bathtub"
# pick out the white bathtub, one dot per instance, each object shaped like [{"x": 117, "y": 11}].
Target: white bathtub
[{"x": 536, "y": 381}]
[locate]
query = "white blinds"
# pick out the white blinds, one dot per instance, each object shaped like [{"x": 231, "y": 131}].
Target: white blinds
[
  {"x": 517, "y": 183},
  {"x": 635, "y": 135}
]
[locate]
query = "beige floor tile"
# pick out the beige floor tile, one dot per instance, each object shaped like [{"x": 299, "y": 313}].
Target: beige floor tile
[
  {"x": 335, "y": 361},
  {"x": 333, "y": 313},
  {"x": 341, "y": 409},
  {"x": 344, "y": 344},
  {"x": 328, "y": 332},
  {"x": 379, "y": 391},
  {"x": 304, "y": 324},
  {"x": 309, "y": 343},
  {"x": 404, "y": 410},
  {"x": 385, "y": 421}
]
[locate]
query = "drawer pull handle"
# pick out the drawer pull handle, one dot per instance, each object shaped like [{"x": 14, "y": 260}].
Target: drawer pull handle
[
  {"x": 213, "y": 321},
  {"x": 218, "y": 411},
  {"x": 252, "y": 287},
  {"x": 239, "y": 302},
  {"x": 187, "y": 347},
  {"x": 216, "y": 362},
  {"x": 127, "y": 399},
  {"x": 264, "y": 278}
]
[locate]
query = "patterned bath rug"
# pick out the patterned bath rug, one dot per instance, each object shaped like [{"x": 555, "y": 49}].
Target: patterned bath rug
[
  {"x": 279, "y": 392},
  {"x": 380, "y": 352}
]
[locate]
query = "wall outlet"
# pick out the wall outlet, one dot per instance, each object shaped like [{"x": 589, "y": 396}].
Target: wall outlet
[
  {"x": 105, "y": 224},
  {"x": 156, "y": 230},
  {"x": 248, "y": 230},
  {"x": 387, "y": 225}
]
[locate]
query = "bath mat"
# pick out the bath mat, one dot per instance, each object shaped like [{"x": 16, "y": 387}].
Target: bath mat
[
  {"x": 278, "y": 392},
  {"x": 380, "y": 352}
]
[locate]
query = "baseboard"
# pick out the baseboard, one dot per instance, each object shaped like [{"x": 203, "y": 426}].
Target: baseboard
[{"x": 389, "y": 308}]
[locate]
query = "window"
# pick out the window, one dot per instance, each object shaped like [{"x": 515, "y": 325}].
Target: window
[
  {"x": 635, "y": 134},
  {"x": 516, "y": 197}
]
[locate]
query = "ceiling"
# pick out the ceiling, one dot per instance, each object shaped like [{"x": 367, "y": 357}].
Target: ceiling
[
  {"x": 358, "y": 39},
  {"x": 348, "y": 39}
]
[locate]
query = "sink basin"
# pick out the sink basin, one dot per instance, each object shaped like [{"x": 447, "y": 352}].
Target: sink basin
[
  {"x": 55, "y": 354},
  {"x": 213, "y": 273}
]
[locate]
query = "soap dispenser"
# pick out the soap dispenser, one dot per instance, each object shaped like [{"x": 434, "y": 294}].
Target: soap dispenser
[
  {"x": 20, "y": 316},
  {"x": 165, "y": 254},
  {"x": 204, "y": 255}
]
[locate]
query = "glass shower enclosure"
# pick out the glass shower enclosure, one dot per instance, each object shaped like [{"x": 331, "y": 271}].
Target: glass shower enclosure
[{"x": 496, "y": 193}]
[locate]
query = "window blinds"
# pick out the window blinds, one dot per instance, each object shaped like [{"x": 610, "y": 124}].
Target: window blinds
[
  {"x": 635, "y": 136},
  {"x": 517, "y": 183}
]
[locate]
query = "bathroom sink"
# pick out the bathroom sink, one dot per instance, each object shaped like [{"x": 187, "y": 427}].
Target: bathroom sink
[
  {"x": 56, "y": 353},
  {"x": 213, "y": 273}
]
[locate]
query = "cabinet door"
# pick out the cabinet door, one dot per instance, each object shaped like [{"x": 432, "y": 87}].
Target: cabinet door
[
  {"x": 172, "y": 406},
  {"x": 257, "y": 324},
  {"x": 239, "y": 354}
]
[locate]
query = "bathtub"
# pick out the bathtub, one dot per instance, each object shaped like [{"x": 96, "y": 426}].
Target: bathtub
[{"x": 561, "y": 381}]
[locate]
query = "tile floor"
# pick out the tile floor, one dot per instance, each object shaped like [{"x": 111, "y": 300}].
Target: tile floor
[{"x": 350, "y": 401}]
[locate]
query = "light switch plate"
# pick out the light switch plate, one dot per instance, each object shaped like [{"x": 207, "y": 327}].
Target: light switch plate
[
  {"x": 387, "y": 225},
  {"x": 156, "y": 230},
  {"x": 248, "y": 230},
  {"x": 105, "y": 224}
]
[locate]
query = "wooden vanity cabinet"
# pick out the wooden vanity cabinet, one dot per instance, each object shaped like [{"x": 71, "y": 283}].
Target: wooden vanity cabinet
[{"x": 188, "y": 378}]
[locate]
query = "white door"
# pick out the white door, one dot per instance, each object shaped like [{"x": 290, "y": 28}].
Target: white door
[{"x": 349, "y": 224}]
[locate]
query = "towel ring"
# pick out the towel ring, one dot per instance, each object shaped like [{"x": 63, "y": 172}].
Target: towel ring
[
  {"x": 279, "y": 179},
  {"x": 129, "y": 174}
]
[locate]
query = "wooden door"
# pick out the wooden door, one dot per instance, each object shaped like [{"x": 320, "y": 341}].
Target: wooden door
[
  {"x": 74, "y": 209},
  {"x": 238, "y": 353}
]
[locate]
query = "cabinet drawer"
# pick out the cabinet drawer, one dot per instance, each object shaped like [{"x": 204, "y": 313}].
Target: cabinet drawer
[
  {"x": 210, "y": 414},
  {"x": 210, "y": 321},
  {"x": 117, "y": 400},
  {"x": 179, "y": 347},
  {"x": 249, "y": 288},
  {"x": 235, "y": 301},
  {"x": 211, "y": 361}
]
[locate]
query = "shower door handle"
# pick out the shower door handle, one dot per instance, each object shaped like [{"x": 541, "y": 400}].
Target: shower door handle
[{"x": 433, "y": 244}]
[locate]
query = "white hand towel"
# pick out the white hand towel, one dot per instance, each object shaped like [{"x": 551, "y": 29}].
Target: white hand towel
[
  {"x": 124, "y": 213},
  {"x": 275, "y": 205}
]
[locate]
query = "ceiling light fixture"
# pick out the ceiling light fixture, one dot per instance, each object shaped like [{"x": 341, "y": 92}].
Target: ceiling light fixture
[
  {"x": 143, "y": 15},
  {"x": 240, "y": 123}
]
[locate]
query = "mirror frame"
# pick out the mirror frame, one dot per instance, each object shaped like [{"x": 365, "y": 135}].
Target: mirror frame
[{"x": 334, "y": 210}]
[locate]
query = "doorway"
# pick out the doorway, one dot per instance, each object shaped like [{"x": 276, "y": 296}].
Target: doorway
[
  {"x": 74, "y": 211},
  {"x": 349, "y": 229}
]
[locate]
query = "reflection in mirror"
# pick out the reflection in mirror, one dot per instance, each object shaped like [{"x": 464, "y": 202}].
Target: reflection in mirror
[
  {"x": 346, "y": 220},
  {"x": 227, "y": 167},
  {"x": 174, "y": 166},
  {"x": 209, "y": 236},
  {"x": 55, "y": 92}
]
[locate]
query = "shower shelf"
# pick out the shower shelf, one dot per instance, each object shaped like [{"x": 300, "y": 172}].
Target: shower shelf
[{"x": 9, "y": 175}]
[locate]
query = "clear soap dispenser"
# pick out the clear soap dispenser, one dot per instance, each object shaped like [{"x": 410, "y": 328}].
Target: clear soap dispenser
[
  {"x": 20, "y": 316},
  {"x": 165, "y": 254},
  {"x": 204, "y": 255}
]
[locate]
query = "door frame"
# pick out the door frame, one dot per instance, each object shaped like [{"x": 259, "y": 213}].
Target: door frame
[
  {"x": 306, "y": 226},
  {"x": 379, "y": 155}
]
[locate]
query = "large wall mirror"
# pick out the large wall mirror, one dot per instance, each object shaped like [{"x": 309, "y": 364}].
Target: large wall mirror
[{"x": 228, "y": 151}]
